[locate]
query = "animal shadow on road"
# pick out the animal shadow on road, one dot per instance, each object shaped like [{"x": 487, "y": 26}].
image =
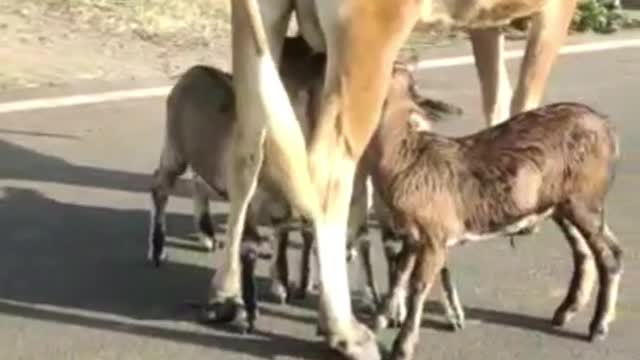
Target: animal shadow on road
[
  {"x": 85, "y": 258},
  {"x": 22, "y": 163},
  {"x": 522, "y": 321}
]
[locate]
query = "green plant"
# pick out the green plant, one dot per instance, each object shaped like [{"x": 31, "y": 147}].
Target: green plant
[{"x": 601, "y": 16}]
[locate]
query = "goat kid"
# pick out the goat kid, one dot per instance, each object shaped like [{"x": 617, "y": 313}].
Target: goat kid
[
  {"x": 554, "y": 161},
  {"x": 199, "y": 125}
]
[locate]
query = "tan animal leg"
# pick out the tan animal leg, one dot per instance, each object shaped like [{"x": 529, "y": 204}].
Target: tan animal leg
[
  {"x": 255, "y": 78},
  {"x": 357, "y": 78},
  {"x": 608, "y": 258},
  {"x": 429, "y": 264},
  {"x": 584, "y": 274},
  {"x": 201, "y": 214},
  {"x": 546, "y": 35},
  {"x": 488, "y": 50}
]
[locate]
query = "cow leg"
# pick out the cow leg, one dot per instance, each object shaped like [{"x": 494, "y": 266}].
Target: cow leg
[
  {"x": 546, "y": 35},
  {"x": 251, "y": 75},
  {"x": 488, "y": 51},
  {"x": 348, "y": 117}
]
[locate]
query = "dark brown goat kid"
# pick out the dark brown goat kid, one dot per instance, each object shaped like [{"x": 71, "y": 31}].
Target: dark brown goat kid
[{"x": 555, "y": 161}]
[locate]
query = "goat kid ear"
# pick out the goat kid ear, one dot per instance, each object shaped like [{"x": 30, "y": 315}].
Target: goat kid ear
[
  {"x": 439, "y": 110},
  {"x": 418, "y": 122}
]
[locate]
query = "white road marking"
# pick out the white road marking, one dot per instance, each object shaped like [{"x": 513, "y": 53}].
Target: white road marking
[
  {"x": 112, "y": 96},
  {"x": 514, "y": 54}
]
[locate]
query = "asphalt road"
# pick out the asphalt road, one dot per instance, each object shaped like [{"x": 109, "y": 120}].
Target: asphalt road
[{"x": 74, "y": 283}]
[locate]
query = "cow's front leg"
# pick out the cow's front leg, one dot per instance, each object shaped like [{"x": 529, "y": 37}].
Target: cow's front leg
[{"x": 363, "y": 39}]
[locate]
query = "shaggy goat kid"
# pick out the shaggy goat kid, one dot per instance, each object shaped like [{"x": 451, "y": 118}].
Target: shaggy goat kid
[{"x": 555, "y": 161}]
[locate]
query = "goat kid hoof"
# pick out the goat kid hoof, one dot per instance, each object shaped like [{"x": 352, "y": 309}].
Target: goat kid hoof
[
  {"x": 279, "y": 293},
  {"x": 598, "y": 333},
  {"x": 301, "y": 293},
  {"x": 362, "y": 347},
  {"x": 207, "y": 243},
  {"x": 321, "y": 331},
  {"x": 157, "y": 259},
  {"x": 395, "y": 312},
  {"x": 456, "y": 325},
  {"x": 400, "y": 355},
  {"x": 382, "y": 322},
  {"x": 561, "y": 318}
]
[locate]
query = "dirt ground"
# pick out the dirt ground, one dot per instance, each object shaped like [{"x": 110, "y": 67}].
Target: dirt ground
[
  {"x": 46, "y": 46},
  {"x": 54, "y": 42},
  {"x": 57, "y": 42}
]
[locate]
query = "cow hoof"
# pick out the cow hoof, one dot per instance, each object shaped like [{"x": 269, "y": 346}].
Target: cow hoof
[
  {"x": 363, "y": 345},
  {"x": 229, "y": 311}
]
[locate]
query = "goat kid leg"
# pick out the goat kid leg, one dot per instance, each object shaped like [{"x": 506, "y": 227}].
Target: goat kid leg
[
  {"x": 546, "y": 35},
  {"x": 608, "y": 257},
  {"x": 584, "y": 274},
  {"x": 450, "y": 300},
  {"x": 280, "y": 268},
  {"x": 248, "y": 140},
  {"x": 202, "y": 215},
  {"x": 488, "y": 51},
  {"x": 429, "y": 263},
  {"x": 164, "y": 179},
  {"x": 307, "y": 274},
  {"x": 365, "y": 250},
  {"x": 392, "y": 251},
  {"x": 394, "y": 309}
]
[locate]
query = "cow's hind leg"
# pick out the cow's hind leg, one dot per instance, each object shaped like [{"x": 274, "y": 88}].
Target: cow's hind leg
[
  {"x": 164, "y": 179},
  {"x": 202, "y": 215},
  {"x": 584, "y": 274},
  {"x": 247, "y": 146},
  {"x": 546, "y": 35},
  {"x": 608, "y": 258},
  {"x": 488, "y": 51}
]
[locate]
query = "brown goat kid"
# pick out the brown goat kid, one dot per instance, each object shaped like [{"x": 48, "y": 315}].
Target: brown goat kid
[{"x": 555, "y": 161}]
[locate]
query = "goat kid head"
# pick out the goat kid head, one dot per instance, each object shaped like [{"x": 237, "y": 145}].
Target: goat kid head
[{"x": 405, "y": 104}]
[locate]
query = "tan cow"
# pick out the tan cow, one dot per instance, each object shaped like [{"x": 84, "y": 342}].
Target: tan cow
[{"x": 361, "y": 39}]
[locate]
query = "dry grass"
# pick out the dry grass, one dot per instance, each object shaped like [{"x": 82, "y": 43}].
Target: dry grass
[{"x": 181, "y": 22}]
